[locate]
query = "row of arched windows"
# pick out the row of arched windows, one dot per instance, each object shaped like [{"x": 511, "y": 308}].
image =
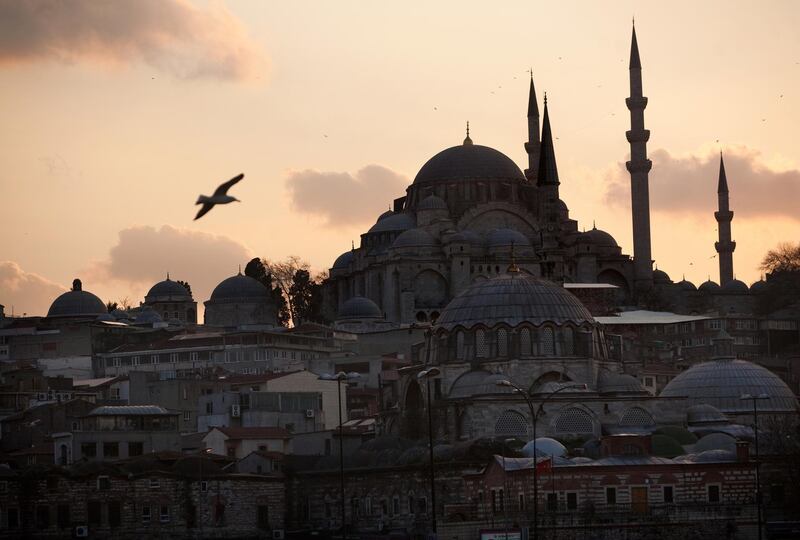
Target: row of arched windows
[{"x": 503, "y": 342}]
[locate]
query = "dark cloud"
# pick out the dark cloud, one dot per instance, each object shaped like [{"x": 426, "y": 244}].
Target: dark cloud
[
  {"x": 171, "y": 35},
  {"x": 688, "y": 185},
  {"x": 344, "y": 199},
  {"x": 143, "y": 256},
  {"x": 26, "y": 292}
]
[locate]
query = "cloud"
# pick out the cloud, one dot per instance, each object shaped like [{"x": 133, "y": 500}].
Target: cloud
[
  {"x": 26, "y": 292},
  {"x": 688, "y": 185},
  {"x": 344, "y": 199},
  {"x": 171, "y": 35},
  {"x": 143, "y": 256}
]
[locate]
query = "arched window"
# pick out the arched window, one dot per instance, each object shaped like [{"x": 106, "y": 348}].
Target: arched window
[
  {"x": 636, "y": 417},
  {"x": 511, "y": 424},
  {"x": 574, "y": 420},
  {"x": 480, "y": 344},
  {"x": 502, "y": 342},
  {"x": 569, "y": 341},
  {"x": 465, "y": 426},
  {"x": 525, "y": 342},
  {"x": 460, "y": 345},
  {"x": 548, "y": 342}
]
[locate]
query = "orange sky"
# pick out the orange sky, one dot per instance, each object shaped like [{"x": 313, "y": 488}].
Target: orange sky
[{"x": 114, "y": 124}]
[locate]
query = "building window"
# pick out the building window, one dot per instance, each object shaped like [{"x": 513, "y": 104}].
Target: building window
[
  {"x": 460, "y": 345},
  {"x": 95, "y": 512},
  {"x": 511, "y": 424},
  {"x": 163, "y": 514},
  {"x": 572, "y": 501},
  {"x": 502, "y": 342},
  {"x": 498, "y": 500},
  {"x": 525, "y": 342},
  {"x": 569, "y": 341},
  {"x": 89, "y": 449},
  {"x": 668, "y": 496},
  {"x": 42, "y": 517},
  {"x": 146, "y": 514},
  {"x": 611, "y": 495},
  {"x": 713, "y": 493},
  {"x": 548, "y": 348},
  {"x": 574, "y": 420},
  {"x": 62, "y": 516},
  {"x": 135, "y": 449},
  {"x": 396, "y": 505},
  {"x": 263, "y": 516},
  {"x": 13, "y": 518},
  {"x": 110, "y": 449},
  {"x": 480, "y": 344},
  {"x": 194, "y": 357},
  {"x": 521, "y": 502},
  {"x": 422, "y": 505},
  {"x": 173, "y": 358},
  {"x": 636, "y": 417},
  {"x": 155, "y": 483},
  {"x": 552, "y": 502},
  {"x": 355, "y": 507},
  {"x": 103, "y": 483},
  {"x": 154, "y": 359},
  {"x": 203, "y": 486},
  {"x": 114, "y": 513}
]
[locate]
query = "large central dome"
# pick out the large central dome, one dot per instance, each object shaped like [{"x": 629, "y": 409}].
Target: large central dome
[
  {"x": 513, "y": 299},
  {"x": 469, "y": 161}
]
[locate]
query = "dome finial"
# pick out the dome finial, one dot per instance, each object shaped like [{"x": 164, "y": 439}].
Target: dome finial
[
  {"x": 240, "y": 269},
  {"x": 594, "y": 225},
  {"x": 467, "y": 141},
  {"x": 77, "y": 285},
  {"x": 513, "y": 268},
  {"x": 167, "y": 275},
  {"x": 352, "y": 245}
]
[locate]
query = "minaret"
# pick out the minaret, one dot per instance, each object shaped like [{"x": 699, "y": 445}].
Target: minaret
[
  {"x": 724, "y": 216},
  {"x": 547, "y": 177},
  {"x": 639, "y": 166},
  {"x": 532, "y": 147}
]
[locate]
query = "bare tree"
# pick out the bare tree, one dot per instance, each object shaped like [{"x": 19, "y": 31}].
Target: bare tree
[
  {"x": 282, "y": 273},
  {"x": 784, "y": 258}
]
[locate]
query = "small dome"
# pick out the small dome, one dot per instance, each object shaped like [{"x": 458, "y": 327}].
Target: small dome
[
  {"x": 344, "y": 260},
  {"x": 716, "y": 441},
  {"x": 478, "y": 383},
  {"x": 735, "y": 287},
  {"x": 469, "y": 161},
  {"x": 545, "y": 446},
  {"x": 432, "y": 202},
  {"x": 680, "y": 434},
  {"x": 659, "y": 276},
  {"x": 665, "y": 446},
  {"x": 395, "y": 222},
  {"x": 704, "y": 414},
  {"x": 507, "y": 237},
  {"x": 385, "y": 215},
  {"x": 759, "y": 287},
  {"x": 77, "y": 303},
  {"x": 466, "y": 237},
  {"x": 359, "y": 307},
  {"x": 609, "y": 382},
  {"x": 713, "y": 456},
  {"x": 513, "y": 299},
  {"x": 105, "y": 317},
  {"x": 147, "y": 316},
  {"x": 721, "y": 383},
  {"x": 563, "y": 206},
  {"x": 414, "y": 238},
  {"x": 239, "y": 288},
  {"x": 708, "y": 287},
  {"x": 685, "y": 285},
  {"x": 167, "y": 289},
  {"x": 120, "y": 314},
  {"x": 598, "y": 238}
]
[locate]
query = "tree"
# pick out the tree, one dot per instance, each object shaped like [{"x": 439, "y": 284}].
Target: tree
[
  {"x": 111, "y": 306},
  {"x": 282, "y": 273},
  {"x": 185, "y": 285},
  {"x": 256, "y": 270},
  {"x": 784, "y": 258},
  {"x": 305, "y": 298}
]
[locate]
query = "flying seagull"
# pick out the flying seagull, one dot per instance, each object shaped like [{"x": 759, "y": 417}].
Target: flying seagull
[{"x": 220, "y": 196}]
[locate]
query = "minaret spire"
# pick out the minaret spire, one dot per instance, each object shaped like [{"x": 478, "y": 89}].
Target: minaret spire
[
  {"x": 547, "y": 173},
  {"x": 533, "y": 146},
  {"x": 725, "y": 246},
  {"x": 639, "y": 167}
]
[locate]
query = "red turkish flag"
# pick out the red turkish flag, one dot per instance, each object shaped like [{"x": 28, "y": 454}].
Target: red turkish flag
[{"x": 544, "y": 465}]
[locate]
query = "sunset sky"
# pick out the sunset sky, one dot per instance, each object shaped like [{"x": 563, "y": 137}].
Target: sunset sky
[{"x": 116, "y": 115}]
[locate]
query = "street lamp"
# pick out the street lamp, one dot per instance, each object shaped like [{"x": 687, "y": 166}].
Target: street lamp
[
  {"x": 339, "y": 377},
  {"x": 427, "y": 374},
  {"x": 505, "y": 487},
  {"x": 755, "y": 400},
  {"x": 534, "y": 416}
]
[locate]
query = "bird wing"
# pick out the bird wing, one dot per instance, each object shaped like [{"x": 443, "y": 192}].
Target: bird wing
[
  {"x": 223, "y": 188},
  {"x": 204, "y": 210}
]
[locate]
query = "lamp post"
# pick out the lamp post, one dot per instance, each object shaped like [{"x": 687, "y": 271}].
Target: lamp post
[
  {"x": 534, "y": 416},
  {"x": 505, "y": 488},
  {"x": 427, "y": 374},
  {"x": 755, "y": 400},
  {"x": 339, "y": 377}
]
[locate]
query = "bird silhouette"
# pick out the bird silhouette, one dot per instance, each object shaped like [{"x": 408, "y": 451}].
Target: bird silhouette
[{"x": 220, "y": 196}]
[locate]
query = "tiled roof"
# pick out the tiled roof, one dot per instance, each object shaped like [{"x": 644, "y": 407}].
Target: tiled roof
[{"x": 255, "y": 432}]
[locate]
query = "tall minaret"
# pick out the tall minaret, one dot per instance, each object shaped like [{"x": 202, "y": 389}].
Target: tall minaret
[
  {"x": 638, "y": 167},
  {"x": 533, "y": 146},
  {"x": 724, "y": 215},
  {"x": 547, "y": 177}
]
